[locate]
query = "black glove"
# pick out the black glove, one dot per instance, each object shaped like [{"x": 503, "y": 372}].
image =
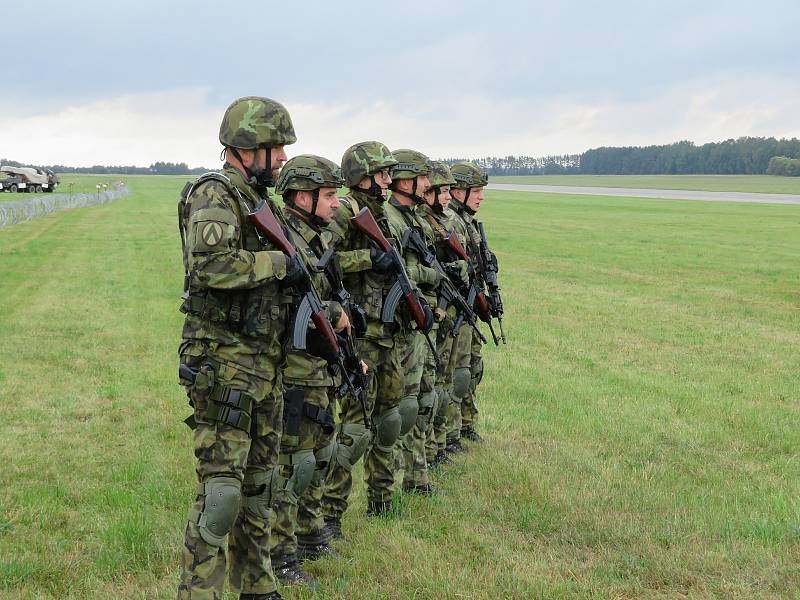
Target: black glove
[
  {"x": 358, "y": 317},
  {"x": 428, "y": 325},
  {"x": 318, "y": 345},
  {"x": 382, "y": 261},
  {"x": 295, "y": 273}
]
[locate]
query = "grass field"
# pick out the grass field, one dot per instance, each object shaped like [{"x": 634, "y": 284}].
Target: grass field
[
  {"x": 709, "y": 183},
  {"x": 81, "y": 184},
  {"x": 641, "y": 425}
]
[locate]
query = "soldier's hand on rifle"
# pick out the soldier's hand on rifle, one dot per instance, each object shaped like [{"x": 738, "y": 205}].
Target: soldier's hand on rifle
[
  {"x": 343, "y": 323},
  {"x": 458, "y": 270},
  {"x": 426, "y": 308},
  {"x": 364, "y": 368},
  {"x": 382, "y": 262},
  {"x": 294, "y": 271}
]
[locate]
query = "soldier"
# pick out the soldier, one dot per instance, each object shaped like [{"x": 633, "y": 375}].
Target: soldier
[
  {"x": 309, "y": 185},
  {"x": 367, "y": 270},
  {"x": 237, "y": 310},
  {"x": 467, "y": 194},
  {"x": 440, "y": 217},
  {"x": 409, "y": 184}
]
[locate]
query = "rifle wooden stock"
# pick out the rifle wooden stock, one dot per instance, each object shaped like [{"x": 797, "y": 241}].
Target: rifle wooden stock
[
  {"x": 266, "y": 223},
  {"x": 482, "y": 307},
  {"x": 454, "y": 244},
  {"x": 365, "y": 222}
]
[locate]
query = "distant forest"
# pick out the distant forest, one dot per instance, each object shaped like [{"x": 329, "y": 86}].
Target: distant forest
[{"x": 743, "y": 156}]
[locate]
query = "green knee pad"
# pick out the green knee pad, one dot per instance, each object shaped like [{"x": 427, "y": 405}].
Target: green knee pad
[
  {"x": 352, "y": 442},
  {"x": 427, "y": 402},
  {"x": 387, "y": 427},
  {"x": 462, "y": 382},
  {"x": 301, "y": 466},
  {"x": 476, "y": 373},
  {"x": 325, "y": 459},
  {"x": 223, "y": 495},
  {"x": 408, "y": 407},
  {"x": 259, "y": 489}
]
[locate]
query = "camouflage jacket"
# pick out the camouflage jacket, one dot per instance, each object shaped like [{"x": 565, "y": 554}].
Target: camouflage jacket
[
  {"x": 234, "y": 303},
  {"x": 401, "y": 218},
  {"x": 368, "y": 288},
  {"x": 303, "y": 368},
  {"x": 467, "y": 229}
]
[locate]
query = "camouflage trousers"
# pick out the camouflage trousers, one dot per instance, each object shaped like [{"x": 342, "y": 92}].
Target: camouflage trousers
[
  {"x": 301, "y": 515},
  {"x": 419, "y": 374},
  {"x": 242, "y": 457},
  {"x": 437, "y": 432},
  {"x": 460, "y": 365},
  {"x": 385, "y": 388},
  {"x": 469, "y": 408}
]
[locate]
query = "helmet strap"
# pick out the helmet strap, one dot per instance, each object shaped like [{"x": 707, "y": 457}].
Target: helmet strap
[
  {"x": 374, "y": 190},
  {"x": 310, "y": 216},
  {"x": 436, "y": 206},
  {"x": 416, "y": 199},
  {"x": 259, "y": 180}
]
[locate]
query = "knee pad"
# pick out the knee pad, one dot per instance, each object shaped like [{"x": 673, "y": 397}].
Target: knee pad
[
  {"x": 427, "y": 402},
  {"x": 297, "y": 469},
  {"x": 223, "y": 496},
  {"x": 477, "y": 373},
  {"x": 462, "y": 382},
  {"x": 259, "y": 489},
  {"x": 409, "y": 408},
  {"x": 325, "y": 459},
  {"x": 387, "y": 428},
  {"x": 443, "y": 398},
  {"x": 352, "y": 442}
]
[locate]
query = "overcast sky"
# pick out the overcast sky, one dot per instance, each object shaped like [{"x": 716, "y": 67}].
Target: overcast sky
[{"x": 134, "y": 82}]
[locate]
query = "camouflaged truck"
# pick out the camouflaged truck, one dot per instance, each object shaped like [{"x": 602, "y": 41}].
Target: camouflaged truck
[{"x": 28, "y": 179}]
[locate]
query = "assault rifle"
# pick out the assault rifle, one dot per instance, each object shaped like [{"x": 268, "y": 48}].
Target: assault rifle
[
  {"x": 357, "y": 382},
  {"x": 475, "y": 295},
  {"x": 448, "y": 291},
  {"x": 490, "y": 269},
  {"x": 365, "y": 222},
  {"x": 311, "y": 306}
]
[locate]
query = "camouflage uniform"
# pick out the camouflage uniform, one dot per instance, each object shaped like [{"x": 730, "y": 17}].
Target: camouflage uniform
[
  {"x": 236, "y": 318},
  {"x": 308, "y": 445},
  {"x": 467, "y": 353},
  {"x": 418, "y": 363},
  {"x": 376, "y": 347},
  {"x": 440, "y": 220}
]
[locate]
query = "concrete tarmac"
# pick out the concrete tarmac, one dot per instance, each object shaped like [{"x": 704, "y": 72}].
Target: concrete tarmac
[{"x": 651, "y": 193}]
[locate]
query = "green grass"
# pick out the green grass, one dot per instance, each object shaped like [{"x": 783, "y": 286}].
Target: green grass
[
  {"x": 641, "y": 425},
  {"x": 87, "y": 184},
  {"x": 709, "y": 183}
]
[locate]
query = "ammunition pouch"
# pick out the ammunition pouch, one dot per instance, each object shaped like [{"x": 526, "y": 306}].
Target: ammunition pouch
[{"x": 254, "y": 312}]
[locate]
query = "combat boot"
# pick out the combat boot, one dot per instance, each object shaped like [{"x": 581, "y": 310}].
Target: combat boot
[
  {"x": 271, "y": 596},
  {"x": 441, "y": 460},
  {"x": 314, "y": 551},
  {"x": 379, "y": 508},
  {"x": 454, "y": 446},
  {"x": 333, "y": 529},
  {"x": 423, "y": 490},
  {"x": 469, "y": 433},
  {"x": 288, "y": 571}
]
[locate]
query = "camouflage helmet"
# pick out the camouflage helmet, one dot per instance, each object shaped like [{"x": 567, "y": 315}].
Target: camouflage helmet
[
  {"x": 308, "y": 172},
  {"x": 440, "y": 175},
  {"x": 410, "y": 164},
  {"x": 365, "y": 159},
  {"x": 253, "y": 121},
  {"x": 468, "y": 175}
]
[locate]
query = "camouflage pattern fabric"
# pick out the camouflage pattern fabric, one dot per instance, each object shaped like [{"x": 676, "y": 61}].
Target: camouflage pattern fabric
[
  {"x": 385, "y": 388},
  {"x": 304, "y": 515},
  {"x": 254, "y": 121},
  {"x": 376, "y": 348},
  {"x": 364, "y": 159},
  {"x": 311, "y": 374},
  {"x": 236, "y": 319},
  {"x": 418, "y": 378}
]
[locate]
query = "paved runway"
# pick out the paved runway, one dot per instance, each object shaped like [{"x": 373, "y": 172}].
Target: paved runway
[{"x": 650, "y": 193}]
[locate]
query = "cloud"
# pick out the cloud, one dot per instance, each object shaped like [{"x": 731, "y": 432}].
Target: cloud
[{"x": 181, "y": 125}]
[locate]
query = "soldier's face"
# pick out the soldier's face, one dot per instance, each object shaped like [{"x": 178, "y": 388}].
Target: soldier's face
[
  {"x": 382, "y": 178},
  {"x": 328, "y": 202},
  {"x": 423, "y": 184},
  {"x": 444, "y": 195},
  {"x": 277, "y": 158},
  {"x": 475, "y": 198}
]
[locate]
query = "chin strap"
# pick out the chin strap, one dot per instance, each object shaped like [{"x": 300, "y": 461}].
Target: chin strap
[
  {"x": 416, "y": 199},
  {"x": 463, "y": 204},
  {"x": 310, "y": 216},
  {"x": 374, "y": 190},
  {"x": 436, "y": 206},
  {"x": 260, "y": 180}
]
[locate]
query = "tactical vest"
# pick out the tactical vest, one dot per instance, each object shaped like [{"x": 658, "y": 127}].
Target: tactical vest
[{"x": 254, "y": 312}]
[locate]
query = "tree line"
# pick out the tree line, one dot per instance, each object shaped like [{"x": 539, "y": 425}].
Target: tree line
[
  {"x": 157, "y": 168},
  {"x": 742, "y": 156}
]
